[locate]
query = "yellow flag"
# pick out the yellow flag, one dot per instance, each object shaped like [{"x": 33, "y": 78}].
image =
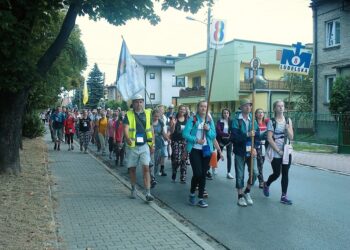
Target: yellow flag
[{"x": 85, "y": 94}]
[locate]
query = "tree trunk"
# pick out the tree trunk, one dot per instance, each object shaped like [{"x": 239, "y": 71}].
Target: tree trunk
[
  {"x": 46, "y": 61},
  {"x": 11, "y": 114}
]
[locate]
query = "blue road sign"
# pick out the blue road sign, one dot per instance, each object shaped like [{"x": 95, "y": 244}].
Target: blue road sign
[{"x": 296, "y": 61}]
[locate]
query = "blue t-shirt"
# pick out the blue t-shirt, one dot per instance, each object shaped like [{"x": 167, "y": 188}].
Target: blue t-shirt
[{"x": 57, "y": 120}]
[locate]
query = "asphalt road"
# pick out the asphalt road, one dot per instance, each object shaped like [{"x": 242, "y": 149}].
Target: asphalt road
[{"x": 318, "y": 219}]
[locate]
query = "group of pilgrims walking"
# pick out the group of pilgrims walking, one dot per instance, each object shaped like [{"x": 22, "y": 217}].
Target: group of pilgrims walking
[{"x": 145, "y": 138}]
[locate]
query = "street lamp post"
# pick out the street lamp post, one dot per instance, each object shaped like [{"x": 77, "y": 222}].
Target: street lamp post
[{"x": 208, "y": 49}]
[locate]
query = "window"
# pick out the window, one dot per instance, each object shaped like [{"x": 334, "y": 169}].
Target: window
[
  {"x": 332, "y": 33},
  {"x": 152, "y": 96},
  {"x": 169, "y": 61},
  {"x": 248, "y": 73},
  {"x": 179, "y": 81},
  {"x": 196, "y": 81},
  {"x": 152, "y": 75},
  {"x": 329, "y": 85},
  {"x": 278, "y": 55}
]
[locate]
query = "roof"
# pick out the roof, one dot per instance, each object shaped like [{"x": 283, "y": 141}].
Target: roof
[
  {"x": 155, "y": 61},
  {"x": 240, "y": 40}
]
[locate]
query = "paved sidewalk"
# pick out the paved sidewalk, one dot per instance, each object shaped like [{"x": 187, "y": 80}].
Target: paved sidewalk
[
  {"x": 333, "y": 162},
  {"x": 94, "y": 210}
]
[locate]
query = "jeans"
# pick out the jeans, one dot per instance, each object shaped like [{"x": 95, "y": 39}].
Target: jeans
[{"x": 239, "y": 169}]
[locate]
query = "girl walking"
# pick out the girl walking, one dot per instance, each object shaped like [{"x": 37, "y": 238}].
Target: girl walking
[
  {"x": 178, "y": 144},
  {"x": 280, "y": 132},
  {"x": 199, "y": 134}
]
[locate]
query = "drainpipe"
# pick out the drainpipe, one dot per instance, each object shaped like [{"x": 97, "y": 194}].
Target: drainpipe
[{"x": 315, "y": 66}]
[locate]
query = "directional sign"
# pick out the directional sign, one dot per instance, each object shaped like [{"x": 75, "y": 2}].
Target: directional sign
[{"x": 294, "y": 61}]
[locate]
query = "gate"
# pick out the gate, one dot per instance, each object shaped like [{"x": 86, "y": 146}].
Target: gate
[{"x": 344, "y": 134}]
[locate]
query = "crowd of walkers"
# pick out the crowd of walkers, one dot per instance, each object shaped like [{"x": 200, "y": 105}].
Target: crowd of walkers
[{"x": 145, "y": 138}]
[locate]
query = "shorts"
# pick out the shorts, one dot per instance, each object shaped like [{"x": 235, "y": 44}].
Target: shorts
[
  {"x": 165, "y": 151},
  {"x": 58, "y": 134},
  {"x": 139, "y": 155}
]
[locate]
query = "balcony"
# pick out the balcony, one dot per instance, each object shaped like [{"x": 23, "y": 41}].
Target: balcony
[
  {"x": 270, "y": 84},
  {"x": 192, "y": 92}
]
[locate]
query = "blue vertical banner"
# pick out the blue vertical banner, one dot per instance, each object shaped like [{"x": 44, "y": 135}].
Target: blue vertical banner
[{"x": 296, "y": 61}]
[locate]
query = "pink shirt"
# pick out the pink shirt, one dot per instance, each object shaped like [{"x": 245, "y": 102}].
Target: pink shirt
[{"x": 111, "y": 128}]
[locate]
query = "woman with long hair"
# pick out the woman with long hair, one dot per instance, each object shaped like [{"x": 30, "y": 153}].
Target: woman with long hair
[
  {"x": 199, "y": 134},
  {"x": 178, "y": 144},
  {"x": 262, "y": 122},
  {"x": 223, "y": 136},
  {"x": 280, "y": 132}
]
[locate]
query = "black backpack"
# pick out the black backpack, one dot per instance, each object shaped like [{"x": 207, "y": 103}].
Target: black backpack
[{"x": 273, "y": 120}]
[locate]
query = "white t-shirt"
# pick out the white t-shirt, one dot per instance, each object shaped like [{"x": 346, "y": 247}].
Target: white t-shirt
[
  {"x": 199, "y": 136},
  {"x": 278, "y": 135}
]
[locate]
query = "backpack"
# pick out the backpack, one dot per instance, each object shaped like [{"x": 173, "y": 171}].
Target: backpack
[{"x": 273, "y": 120}]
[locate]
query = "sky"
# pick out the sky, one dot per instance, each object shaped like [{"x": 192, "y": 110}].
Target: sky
[{"x": 274, "y": 21}]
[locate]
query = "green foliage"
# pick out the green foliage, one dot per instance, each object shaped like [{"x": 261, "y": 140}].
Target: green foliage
[
  {"x": 301, "y": 87},
  {"x": 32, "y": 125},
  {"x": 95, "y": 83},
  {"x": 340, "y": 96},
  {"x": 112, "y": 104}
]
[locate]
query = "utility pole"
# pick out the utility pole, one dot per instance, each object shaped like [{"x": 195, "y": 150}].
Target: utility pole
[{"x": 208, "y": 54}]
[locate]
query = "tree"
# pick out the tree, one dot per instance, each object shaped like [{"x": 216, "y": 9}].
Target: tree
[
  {"x": 112, "y": 104},
  {"x": 95, "y": 83},
  {"x": 26, "y": 60},
  {"x": 340, "y": 96}
]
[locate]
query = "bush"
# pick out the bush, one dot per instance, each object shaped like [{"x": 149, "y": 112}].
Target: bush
[
  {"x": 340, "y": 98},
  {"x": 32, "y": 125}
]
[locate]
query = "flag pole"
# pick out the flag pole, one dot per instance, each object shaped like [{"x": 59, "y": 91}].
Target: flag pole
[{"x": 253, "y": 119}]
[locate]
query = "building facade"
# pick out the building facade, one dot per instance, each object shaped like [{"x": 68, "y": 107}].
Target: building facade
[
  {"x": 331, "y": 20},
  {"x": 233, "y": 75},
  {"x": 162, "y": 86}
]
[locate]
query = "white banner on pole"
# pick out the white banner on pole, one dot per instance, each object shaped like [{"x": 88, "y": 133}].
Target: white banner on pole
[{"x": 217, "y": 33}]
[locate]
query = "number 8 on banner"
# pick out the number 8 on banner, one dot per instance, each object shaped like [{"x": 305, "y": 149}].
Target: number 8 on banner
[{"x": 217, "y": 33}]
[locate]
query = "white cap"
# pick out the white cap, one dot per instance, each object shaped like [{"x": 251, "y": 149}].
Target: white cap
[
  {"x": 137, "y": 97},
  {"x": 171, "y": 106}
]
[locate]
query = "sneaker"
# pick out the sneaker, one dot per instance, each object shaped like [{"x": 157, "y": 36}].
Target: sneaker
[
  {"x": 133, "y": 194},
  {"x": 55, "y": 147},
  {"x": 68, "y": 148},
  {"x": 201, "y": 203},
  {"x": 58, "y": 147},
  {"x": 209, "y": 176},
  {"x": 81, "y": 148},
  {"x": 162, "y": 173},
  {"x": 85, "y": 152},
  {"x": 173, "y": 177},
  {"x": 241, "y": 202},
  {"x": 72, "y": 147},
  {"x": 153, "y": 183},
  {"x": 261, "y": 185},
  {"x": 192, "y": 199},
  {"x": 214, "y": 171},
  {"x": 229, "y": 176},
  {"x": 266, "y": 190},
  {"x": 285, "y": 200},
  {"x": 248, "y": 198},
  {"x": 183, "y": 180},
  {"x": 149, "y": 197}
]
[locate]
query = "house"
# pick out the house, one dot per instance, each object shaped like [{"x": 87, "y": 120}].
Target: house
[
  {"x": 331, "y": 20},
  {"x": 112, "y": 93},
  {"x": 233, "y": 75},
  {"x": 162, "y": 86}
]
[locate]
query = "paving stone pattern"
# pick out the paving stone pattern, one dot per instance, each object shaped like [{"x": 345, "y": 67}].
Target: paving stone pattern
[{"x": 95, "y": 211}]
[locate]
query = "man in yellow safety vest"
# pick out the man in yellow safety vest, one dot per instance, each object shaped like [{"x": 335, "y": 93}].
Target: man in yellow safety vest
[{"x": 139, "y": 136}]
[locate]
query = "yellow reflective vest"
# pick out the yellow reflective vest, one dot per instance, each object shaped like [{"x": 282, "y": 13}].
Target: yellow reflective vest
[{"x": 132, "y": 127}]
